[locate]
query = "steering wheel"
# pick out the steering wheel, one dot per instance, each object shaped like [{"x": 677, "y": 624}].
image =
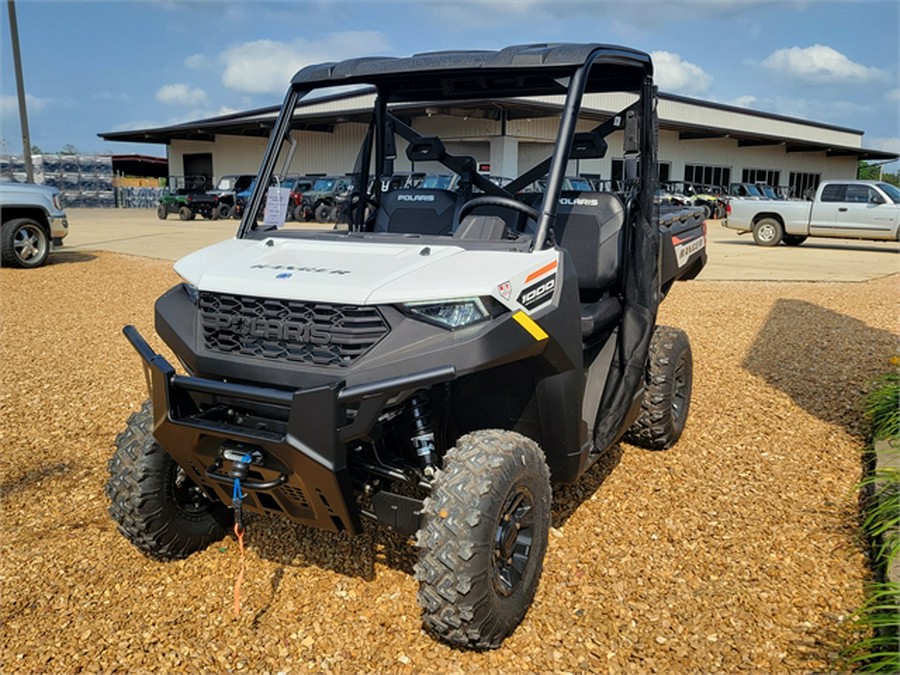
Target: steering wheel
[{"x": 495, "y": 200}]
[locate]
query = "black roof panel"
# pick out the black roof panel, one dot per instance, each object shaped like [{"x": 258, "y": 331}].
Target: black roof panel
[{"x": 522, "y": 70}]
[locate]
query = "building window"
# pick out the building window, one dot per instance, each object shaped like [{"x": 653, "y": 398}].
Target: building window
[
  {"x": 664, "y": 172},
  {"x": 803, "y": 183},
  {"x": 618, "y": 170},
  {"x": 763, "y": 176},
  {"x": 707, "y": 174}
]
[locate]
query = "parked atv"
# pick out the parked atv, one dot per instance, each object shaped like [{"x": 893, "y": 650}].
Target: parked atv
[
  {"x": 226, "y": 190},
  {"x": 187, "y": 196},
  {"x": 300, "y": 209},
  {"x": 322, "y": 198},
  {"x": 435, "y": 367}
]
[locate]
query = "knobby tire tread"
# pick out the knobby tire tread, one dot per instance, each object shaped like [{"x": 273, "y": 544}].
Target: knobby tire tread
[
  {"x": 656, "y": 427},
  {"x": 456, "y": 589},
  {"x": 136, "y": 490}
]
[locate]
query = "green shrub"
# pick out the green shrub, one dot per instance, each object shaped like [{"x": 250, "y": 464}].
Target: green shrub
[{"x": 878, "y": 620}]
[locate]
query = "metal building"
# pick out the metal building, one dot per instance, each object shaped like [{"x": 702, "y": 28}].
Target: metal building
[{"x": 700, "y": 141}]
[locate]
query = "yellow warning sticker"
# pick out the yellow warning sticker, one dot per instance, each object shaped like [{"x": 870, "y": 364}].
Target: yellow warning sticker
[{"x": 531, "y": 326}]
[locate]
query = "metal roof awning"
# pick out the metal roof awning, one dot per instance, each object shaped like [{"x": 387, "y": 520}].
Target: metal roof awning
[{"x": 259, "y": 122}]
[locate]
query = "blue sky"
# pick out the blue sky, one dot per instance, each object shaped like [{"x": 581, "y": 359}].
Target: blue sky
[{"x": 97, "y": 66}]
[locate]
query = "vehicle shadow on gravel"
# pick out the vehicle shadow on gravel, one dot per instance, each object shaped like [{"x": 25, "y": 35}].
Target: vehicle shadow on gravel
[
  {"x": 567, "y": 498},
  {"x": 823, "y": 360},
  {"x": 277, "y": 540},
  {"x": 67, "y": 257},
  {"x": 32, "y": 477}
]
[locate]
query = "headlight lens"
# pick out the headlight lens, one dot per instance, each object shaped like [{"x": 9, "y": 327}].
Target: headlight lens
[
  {"x": 450, "y": 314},
  {"x": 57, "y": 201},
  {"x": 191, "y": 291}
]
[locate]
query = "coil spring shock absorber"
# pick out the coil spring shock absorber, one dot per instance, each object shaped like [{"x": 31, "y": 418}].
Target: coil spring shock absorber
[{"x": 423, "y": 435}]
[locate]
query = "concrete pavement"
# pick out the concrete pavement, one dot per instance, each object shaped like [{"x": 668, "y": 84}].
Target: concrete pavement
[{"x": 732, "y": 257}]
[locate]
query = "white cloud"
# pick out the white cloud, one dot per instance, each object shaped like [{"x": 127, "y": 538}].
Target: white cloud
[
  {"x": 196, "y": 62},
  {"x": 9, "y": 105},
  {"x": 267, "y": 66},
  {"x": 136, "y": 124},
  {"x": 821, "y": 64},
  {"x": 677, "y": 76},
  {"x": 181, "y": 94},
  {"x": 746, "y": 101},
  {"x": 892, "y": 96}
]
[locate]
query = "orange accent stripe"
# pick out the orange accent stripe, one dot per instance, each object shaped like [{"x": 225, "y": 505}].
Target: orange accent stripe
[{"x": 543, "y": 270}]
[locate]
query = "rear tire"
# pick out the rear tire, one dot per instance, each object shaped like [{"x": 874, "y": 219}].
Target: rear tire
[
  {"x": 156, "y": 506},
  {"x": 768, "y": 232},
  {"x": 667, "y": 394},
  {"x": 483, "y": 538},
  {"x": 184, "y": 213}
]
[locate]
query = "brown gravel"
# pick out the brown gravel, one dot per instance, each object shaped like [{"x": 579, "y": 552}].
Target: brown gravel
[{"x": 735, "y": 550}]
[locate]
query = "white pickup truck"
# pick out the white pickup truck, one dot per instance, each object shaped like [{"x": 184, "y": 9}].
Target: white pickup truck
[
  {"x": 32, "y": 220},
  {"x": 849, "y": 209}
]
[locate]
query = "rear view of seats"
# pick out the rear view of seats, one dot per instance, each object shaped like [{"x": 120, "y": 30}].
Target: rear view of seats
[
  {"x": 590, "y": 227},
  {"x": 429, "y": 212}
]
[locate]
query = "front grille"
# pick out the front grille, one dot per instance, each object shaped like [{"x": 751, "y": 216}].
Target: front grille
[{"x": 289, "y": 330}]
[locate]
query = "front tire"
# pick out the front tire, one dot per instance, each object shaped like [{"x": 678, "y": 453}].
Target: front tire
[
  {"x": 483, "y": 538},
  {"x": 156, "y": 506},
  {"x": 323, "y": 213},
  {"x": 768, "y": 232},
  {"x": 667, "y": 393},
  {"x": 24, "y": 243},
  {"x": 162, "y": 212},
  {"x": 794, "y": 239}
]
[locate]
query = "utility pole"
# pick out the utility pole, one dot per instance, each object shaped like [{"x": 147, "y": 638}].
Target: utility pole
[{"x": 20, "y": 91}]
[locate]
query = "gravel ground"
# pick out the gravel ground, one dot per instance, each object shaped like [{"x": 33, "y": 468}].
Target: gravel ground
[{"x": 735, "y": 550}]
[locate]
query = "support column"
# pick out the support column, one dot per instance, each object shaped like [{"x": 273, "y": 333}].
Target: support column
[{"x": 505, "y": 156}]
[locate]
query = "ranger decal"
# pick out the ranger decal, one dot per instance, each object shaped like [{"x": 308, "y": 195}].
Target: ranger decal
[
  {"x": 293, "y": 268},
  {"x": 684, "y": 249}
]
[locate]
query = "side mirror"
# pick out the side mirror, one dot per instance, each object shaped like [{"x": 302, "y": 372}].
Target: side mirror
[{"x": 877, "y": 199}]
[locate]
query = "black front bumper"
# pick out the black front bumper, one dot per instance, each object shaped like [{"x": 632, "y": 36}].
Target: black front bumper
[{"x": 299, "y": 438}]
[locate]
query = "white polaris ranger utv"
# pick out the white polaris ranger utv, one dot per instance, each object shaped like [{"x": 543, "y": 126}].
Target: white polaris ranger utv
[{"x": 436, "y": 364}]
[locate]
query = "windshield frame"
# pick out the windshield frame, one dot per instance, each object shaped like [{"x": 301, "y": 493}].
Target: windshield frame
[{"x": 574, "y": 70}]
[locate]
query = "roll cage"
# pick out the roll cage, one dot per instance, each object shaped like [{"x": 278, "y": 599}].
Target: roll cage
[{"x": 514, "y": 72}]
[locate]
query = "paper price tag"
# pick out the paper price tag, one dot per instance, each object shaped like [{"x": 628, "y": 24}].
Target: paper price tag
[{"x": 277, "y": 201}]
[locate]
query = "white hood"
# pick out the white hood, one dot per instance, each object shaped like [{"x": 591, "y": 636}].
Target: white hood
[{"x": 356, "y": 273}]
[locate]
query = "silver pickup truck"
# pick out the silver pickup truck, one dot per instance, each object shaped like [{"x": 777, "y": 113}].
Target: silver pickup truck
[
  {"x": 849, "y": 209},
  {"x": 33, "y": 217}
]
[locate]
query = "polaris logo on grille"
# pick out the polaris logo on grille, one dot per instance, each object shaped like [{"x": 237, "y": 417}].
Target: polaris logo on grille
[
  {"x": 578, "y": 201},
  {"x": 268, "y": 329},
  {"x": 415, "y": 198}
]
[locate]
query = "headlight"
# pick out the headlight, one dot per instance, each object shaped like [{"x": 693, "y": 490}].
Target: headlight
[
  {"x": 450, "y": 314},
  {"x": 57, "y": 201},
  {"x": 191, "y": 291}
]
